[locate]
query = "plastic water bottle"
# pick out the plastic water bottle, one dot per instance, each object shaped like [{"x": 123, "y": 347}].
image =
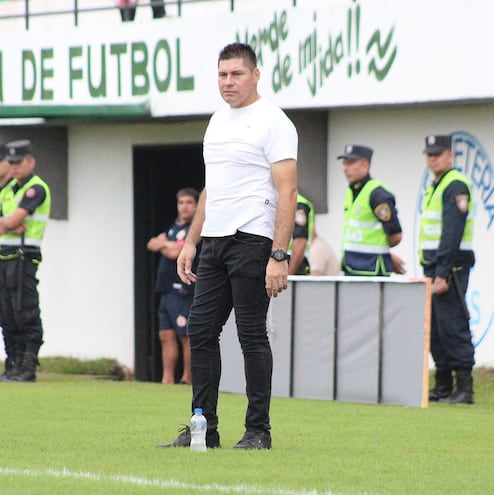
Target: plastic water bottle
[{"x": 198, "y": 427}]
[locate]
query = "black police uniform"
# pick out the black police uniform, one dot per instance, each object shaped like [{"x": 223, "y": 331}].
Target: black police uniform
[
  {"x": 451, "y": 340},
  {"x": 19, "y": 299}
]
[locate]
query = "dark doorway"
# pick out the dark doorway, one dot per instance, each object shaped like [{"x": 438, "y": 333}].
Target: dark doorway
[{"x": 159, "y": 172}]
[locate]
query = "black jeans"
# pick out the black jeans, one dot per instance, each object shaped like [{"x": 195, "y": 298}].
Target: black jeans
[{"x": 231, "y": 274}]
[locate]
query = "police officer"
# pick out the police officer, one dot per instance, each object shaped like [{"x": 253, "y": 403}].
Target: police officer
[
  {"x": 371, "y": 224},
  {"x": 175, "y": 297},
  {"x": 445, "y": 250},
  {"x": 302, "y": 235},
  {"x": 25, "y": 208}
]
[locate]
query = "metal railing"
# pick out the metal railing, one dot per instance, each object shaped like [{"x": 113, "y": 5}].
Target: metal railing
[{"x": 27, "y": 12}]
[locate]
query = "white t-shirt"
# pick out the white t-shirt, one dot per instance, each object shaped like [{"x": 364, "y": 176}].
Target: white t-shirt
[{"x": 240, "y": 144}]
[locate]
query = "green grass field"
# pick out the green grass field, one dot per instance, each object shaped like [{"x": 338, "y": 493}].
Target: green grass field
[{"x": 78, "y": 435}]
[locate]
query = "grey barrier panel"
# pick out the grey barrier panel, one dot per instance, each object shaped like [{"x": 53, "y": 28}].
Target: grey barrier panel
[
  {"x": 232, "y": 361},
  {"x": 357, "y": 341},
  {"x": 280, "y": 328},
  {"x": 405, "y": 358},
  {"x": 343, "y": 338},
  {"x": 313, "y": 364}
]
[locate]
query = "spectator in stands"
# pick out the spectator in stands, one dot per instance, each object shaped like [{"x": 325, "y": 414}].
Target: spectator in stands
[{"x": 128, "y": 9}]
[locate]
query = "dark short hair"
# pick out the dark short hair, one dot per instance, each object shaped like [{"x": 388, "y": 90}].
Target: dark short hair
[
  {"x": 239, "y": 50},
  {"x": 188, "y": 191}
]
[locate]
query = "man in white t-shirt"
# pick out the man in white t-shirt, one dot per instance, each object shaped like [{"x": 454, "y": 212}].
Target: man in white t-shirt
[{"x": 245, "y": 218}]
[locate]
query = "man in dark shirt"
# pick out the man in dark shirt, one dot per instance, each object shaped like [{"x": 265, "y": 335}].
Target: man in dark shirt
[
  {"x": 445, "y": 249},
  {"x": 175, "y": 297},
  {"x": 371, "y": 224}
]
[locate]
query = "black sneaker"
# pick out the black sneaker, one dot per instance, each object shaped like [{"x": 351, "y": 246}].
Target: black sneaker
[
  {"x": 183, "y": 440},
  {"x": 254, "y": 439}
]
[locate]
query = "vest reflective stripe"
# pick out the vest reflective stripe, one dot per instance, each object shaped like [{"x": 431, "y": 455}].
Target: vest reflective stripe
[
  {"x": 362, "y": 248},
  {"x": 431, "y": 222},
  {"x": 433, "y": 245},
  {"x": 364, "y": 225},
  {"x": 28, "y": 241},
  {"x": 437, "y": 215},
  {"x": 35, "y": 222},
  {"x": 38, "y": 217}
]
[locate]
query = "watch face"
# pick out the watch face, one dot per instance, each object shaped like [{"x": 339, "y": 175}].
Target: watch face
[{"x": 279, "y": 255}]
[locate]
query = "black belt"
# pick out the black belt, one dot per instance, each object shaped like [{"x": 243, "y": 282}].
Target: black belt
[{"x": 13, "y": 252}]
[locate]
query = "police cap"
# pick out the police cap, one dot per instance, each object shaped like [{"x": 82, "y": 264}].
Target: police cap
[
  {"x": 3, "y": 152},
  {"x": 438, "y": 143},
  {"x": 355, "y": 151},
  {"x": 17, "y": 150}
]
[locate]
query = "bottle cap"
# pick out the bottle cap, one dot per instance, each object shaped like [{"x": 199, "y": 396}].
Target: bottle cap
[{"x": 198, "y": 410}]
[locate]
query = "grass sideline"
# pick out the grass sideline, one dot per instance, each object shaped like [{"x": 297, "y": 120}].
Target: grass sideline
[
  {"x": 104, "y": 367},
  {"x": 68, "y": 434}
]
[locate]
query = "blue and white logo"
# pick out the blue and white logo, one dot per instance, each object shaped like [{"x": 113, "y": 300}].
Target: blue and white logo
[{"x": 473, "y": 161}]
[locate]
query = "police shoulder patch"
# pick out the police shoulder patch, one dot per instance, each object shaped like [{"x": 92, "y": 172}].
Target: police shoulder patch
[
  {"x": 301, "y": 217},
  {"x": 31, "y": 193},
  {"x": 383, "y": 212},
  {"x": 462, "y": 202}
]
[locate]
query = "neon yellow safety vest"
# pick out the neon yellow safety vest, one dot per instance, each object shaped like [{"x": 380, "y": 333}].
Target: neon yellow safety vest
[
  {"x": 432, "y": 213},
  {"x": 35, "y": 222},
  {"x": 5, "y": 191},
  {"x": 363, "y": 235}
]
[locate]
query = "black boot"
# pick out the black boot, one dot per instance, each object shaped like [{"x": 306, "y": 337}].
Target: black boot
[
  {"x": 10, "y": 369},
  {"x": 443, "y": 387},
  {"x": 464, "y": 388},
  {"x": 27, "y": 370}
]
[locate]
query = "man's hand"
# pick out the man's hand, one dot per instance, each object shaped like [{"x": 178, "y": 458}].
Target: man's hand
[
  {"x": 19, "y": 230},
  {"x": 439, "y": 286},
  {"x": 398, "y": 264},
  {"x": 276, "y": 277},
  {"x": 4, "y": 229},
  {"x": 184, "y": 264}
]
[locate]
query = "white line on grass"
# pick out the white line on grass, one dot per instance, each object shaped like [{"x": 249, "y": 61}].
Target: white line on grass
[{"x": 146, "y": 482}]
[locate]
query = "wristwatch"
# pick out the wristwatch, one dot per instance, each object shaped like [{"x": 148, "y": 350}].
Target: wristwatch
[{"x": 280, "y": 255}]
